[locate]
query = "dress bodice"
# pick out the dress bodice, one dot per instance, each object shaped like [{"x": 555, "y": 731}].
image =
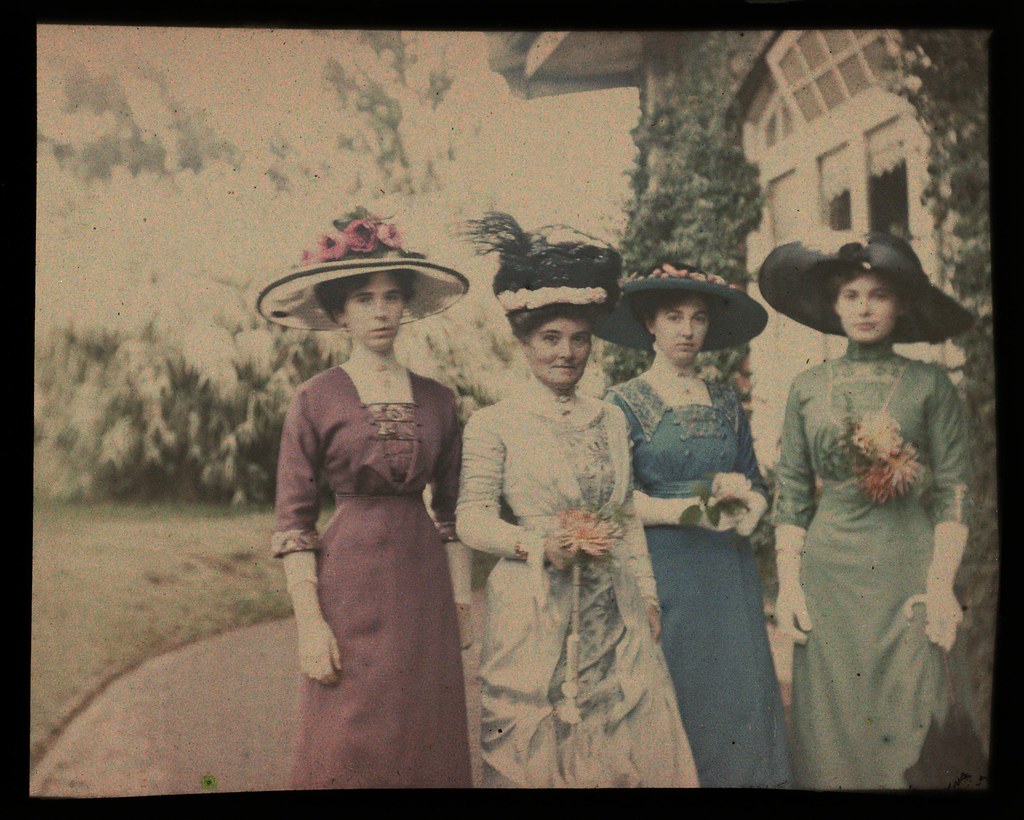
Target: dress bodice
[
  {"x": 677, "y": 448},
  {"x": 827, "y": 400}
]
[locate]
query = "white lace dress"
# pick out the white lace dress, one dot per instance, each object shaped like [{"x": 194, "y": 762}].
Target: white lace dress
[{"x": 522, "y": 454}]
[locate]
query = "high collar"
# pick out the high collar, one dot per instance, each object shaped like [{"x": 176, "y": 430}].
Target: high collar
[
  {"x": 858, "y": 352},
  {"x": 538, "y": 398}
]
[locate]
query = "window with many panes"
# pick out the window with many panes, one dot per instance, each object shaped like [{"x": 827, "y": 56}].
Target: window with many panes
[{"x": 838, "y": 155}]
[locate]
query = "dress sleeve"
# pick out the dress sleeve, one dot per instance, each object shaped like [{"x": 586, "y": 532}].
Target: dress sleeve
[
  {"x": 297, "y": 501},
  {"x": 444, "y": 487},
  {"x": 634, "y": 539},
  {"x": 478, "y": 516},
  {"x": 746, "y": 460},
  {"x": 636, "y": 551},
  {"x": 795, "y": 503},
  {"x": 948, "y": 449}
]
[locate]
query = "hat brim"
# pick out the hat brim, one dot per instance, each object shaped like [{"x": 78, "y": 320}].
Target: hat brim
[
  {"x": 793, "y": 280},
  {"x": 736, "y": 318},
  {"x": 292, "y": 299}
]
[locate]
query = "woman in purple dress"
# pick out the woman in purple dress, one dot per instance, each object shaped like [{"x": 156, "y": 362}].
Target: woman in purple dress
[{"x": 382, "y": 695}]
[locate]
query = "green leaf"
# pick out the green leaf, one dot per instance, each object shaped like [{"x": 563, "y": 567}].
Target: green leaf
[
  {"x": 714, "y": 515},
  {"x": 691, "y": 516}
]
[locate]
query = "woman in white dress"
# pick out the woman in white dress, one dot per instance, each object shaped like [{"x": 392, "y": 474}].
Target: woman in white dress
[{"x": 574, "y": 687}]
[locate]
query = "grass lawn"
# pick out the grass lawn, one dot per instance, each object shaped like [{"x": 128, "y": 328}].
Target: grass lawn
[{"x": 114, "y": 584}]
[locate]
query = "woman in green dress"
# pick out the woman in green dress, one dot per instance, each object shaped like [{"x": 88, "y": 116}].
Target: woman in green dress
[{"x": 869, "y": 516}]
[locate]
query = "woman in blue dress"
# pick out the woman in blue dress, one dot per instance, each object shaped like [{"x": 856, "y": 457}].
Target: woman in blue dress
[{"x": 700, "y": 494}]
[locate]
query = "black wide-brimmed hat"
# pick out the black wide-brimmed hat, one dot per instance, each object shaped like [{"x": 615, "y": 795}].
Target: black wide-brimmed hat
[
  {"x": 363, "y": 244},
  {"x": 795, "y": 280},
  {"x": 735, "y": 318},
  {"x": 553, "y": 265}
]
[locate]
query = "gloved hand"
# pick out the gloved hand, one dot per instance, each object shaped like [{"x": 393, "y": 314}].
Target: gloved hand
[
  {"x": 791, "y": 606},
  {"x": 733, "y": 490},
  {"x": 667, "y": 512},
  {"x": 943, "y": 611},
  {"x": 319, "y": 656},
  {"x": 757, "y": 506},
  {"x": 460, "y": 565}
]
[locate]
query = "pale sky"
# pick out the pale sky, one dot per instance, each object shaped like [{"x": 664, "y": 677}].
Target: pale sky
[{"x": 116, "y": 251}]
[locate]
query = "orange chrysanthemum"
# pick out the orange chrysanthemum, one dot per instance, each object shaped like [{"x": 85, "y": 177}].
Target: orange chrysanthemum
[
  {"x": 586, "y": 532},
  {"x": 893, "y": 476}
]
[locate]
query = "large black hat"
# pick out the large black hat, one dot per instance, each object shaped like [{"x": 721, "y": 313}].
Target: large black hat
[
  {"x": 363, "y": 243},
  {"x": 735, "y": 317},
  {"x": 795, "y": 280},
  {"x": 548, "y": 266}
]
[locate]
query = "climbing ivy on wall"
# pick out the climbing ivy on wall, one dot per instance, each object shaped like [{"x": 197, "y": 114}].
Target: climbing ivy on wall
[
  {"x": 695, "y": 196},
  {"x": 944, "y": 75}
]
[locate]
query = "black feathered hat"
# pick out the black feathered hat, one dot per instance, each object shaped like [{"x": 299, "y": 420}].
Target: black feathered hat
[
  {"x": 538, "y": 268},
  {"x": 795, "y": 280}
]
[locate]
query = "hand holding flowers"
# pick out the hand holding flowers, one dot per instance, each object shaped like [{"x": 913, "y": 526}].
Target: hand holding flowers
[
  {"x": 730, "y": 503},
  {"x": 581, "y": 532}
]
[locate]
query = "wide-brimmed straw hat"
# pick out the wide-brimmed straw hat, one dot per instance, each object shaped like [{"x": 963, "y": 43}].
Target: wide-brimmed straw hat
[
  {"x": 363, "y": 244},
  {"x": 553, "y": 265},
  {"x": 735, "y": 317},
  {"x": 795, "y": 280}
]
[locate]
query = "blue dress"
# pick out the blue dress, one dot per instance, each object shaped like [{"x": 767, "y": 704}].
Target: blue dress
[{"x": 713, "y": 626}]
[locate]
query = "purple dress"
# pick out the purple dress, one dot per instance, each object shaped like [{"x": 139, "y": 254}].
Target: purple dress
[{"x": 397, "y": 716}]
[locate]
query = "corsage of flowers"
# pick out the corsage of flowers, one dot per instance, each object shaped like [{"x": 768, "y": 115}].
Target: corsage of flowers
[
  {"x": 582, "y": 533},
  {"x": 726, "y": 496},
  {"x": 667, "y": 271},
  {"x": 884, "y": 465},
  {"x": 359, "y": 231}
]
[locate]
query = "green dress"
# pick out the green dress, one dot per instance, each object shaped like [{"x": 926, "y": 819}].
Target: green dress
[{"x": 868, "y": 682}]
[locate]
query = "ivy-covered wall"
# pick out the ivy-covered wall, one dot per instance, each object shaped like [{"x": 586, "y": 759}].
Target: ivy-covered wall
[
  {"x": 695, "y": 196},
  {"x": 945, "y": 76}
]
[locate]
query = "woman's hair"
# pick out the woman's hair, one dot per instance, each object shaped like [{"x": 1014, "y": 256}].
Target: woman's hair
[
  {"x": 334, "y": 293},
  {"x": 645, "y": 304},
  {"x": 525, "y": 322}
]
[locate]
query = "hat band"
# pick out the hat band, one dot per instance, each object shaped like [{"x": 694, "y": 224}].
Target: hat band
[{"x": 511, "y": 300}]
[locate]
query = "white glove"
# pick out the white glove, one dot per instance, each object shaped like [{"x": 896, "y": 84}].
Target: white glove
[
  {"x": 319, "y": 656},
  {"x": 943, "y": 611},
  {"x": 757, "y": 506},
  {"x": 460, "y": 565},
  {"x": 791, "y": 606},
  {"x": 737, "y": 487},
  {"x": 666, "y": 512}
]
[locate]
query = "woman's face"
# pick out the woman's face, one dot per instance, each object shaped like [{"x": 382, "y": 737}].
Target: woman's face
[
  {"x": 557, "y": 352},
  {"x": 868, "y": 308},
  {"x": 679, "y": 329},
  {"x": 372, "y": 313}
]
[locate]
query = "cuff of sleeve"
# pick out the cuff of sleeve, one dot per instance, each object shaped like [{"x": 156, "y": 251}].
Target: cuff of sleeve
[
  {"x": 529, "y": 547},
  {"x": 446, "y": 529},
  {"x": 284, "y": 542}
]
